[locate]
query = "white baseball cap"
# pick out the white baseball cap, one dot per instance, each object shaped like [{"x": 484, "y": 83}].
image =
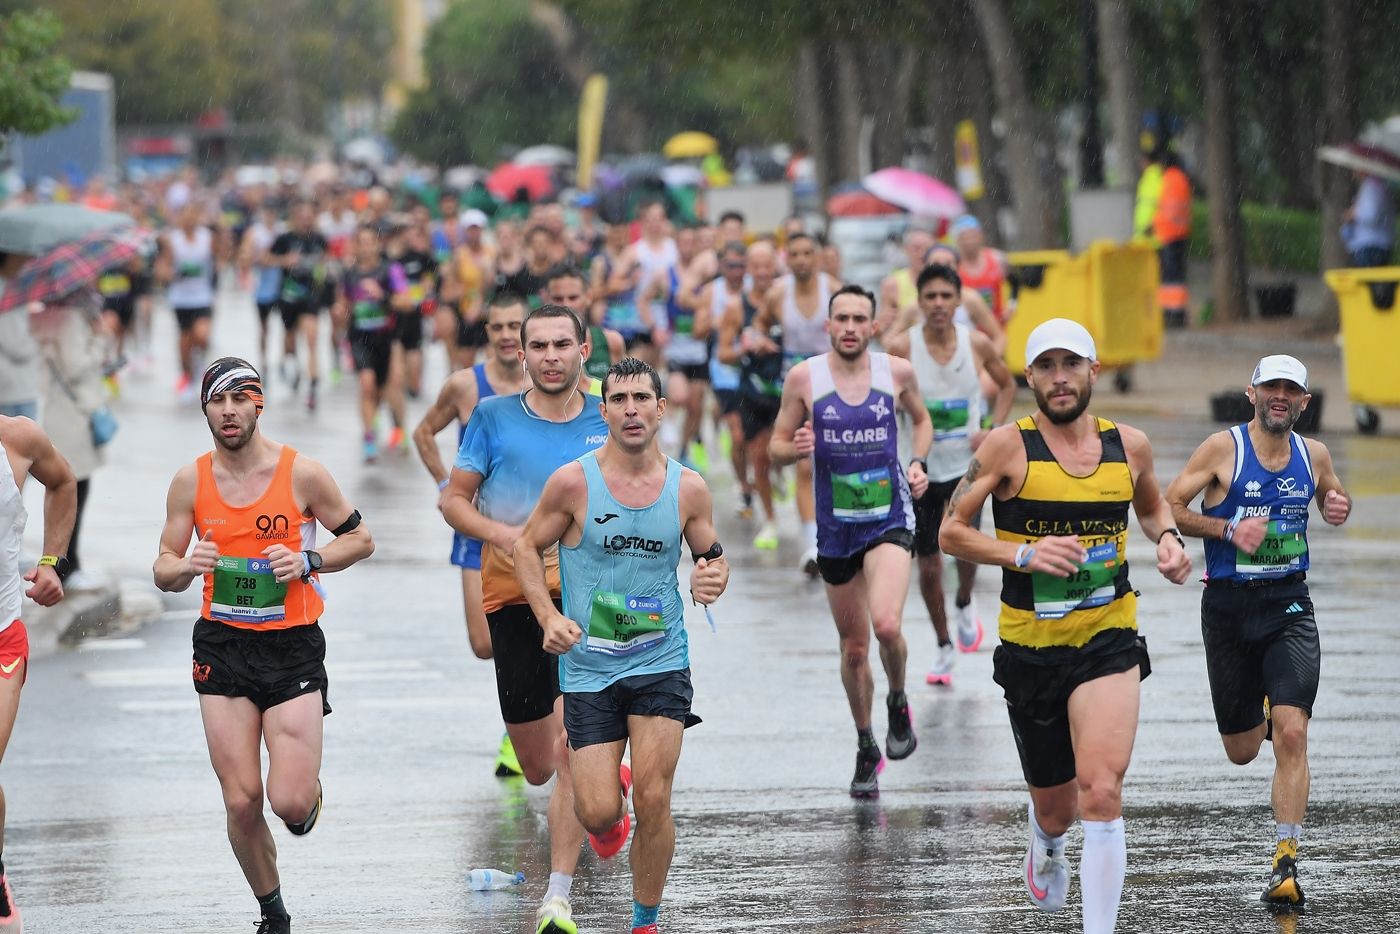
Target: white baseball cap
[
  {"x": 1280, "y": 366},
  {"x": 473, "y": 218},
  {"x": 1060, "y": 334}
]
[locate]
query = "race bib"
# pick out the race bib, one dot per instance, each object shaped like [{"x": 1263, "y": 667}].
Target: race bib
[
  {"x": 369, "y": 316},
  {"x": 685, "y": 325},
  {"x": 1092, "y": 585},
  {"x": 114, "y": 284},
  {"x": 1280, "y": 553},
  {"x": 620, "y": 624},
  {"x": 245, "y": 591},
  {"x": 865, "y": 496},
  {"x": 293, "y": 292},
  {"x": 190, "y": 270},
  {"x": 623, "y": 316},
  {"x": 950, "y": 417}
]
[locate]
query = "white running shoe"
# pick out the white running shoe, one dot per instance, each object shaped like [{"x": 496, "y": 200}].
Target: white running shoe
[
  {"x": 808, "y": 564},
  {"x": 555, "y": 916},
  {"x": 1047, "y": 874},
  {"x": 942, "y": 670},
  {"x": 969, "y": 627}
]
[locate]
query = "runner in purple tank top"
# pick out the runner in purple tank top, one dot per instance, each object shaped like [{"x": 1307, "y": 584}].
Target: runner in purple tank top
[{"x": 839, "y": 409}]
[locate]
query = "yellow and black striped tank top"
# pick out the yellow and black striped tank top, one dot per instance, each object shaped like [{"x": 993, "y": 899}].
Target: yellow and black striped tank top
[{"x": 1051, "y": 614}]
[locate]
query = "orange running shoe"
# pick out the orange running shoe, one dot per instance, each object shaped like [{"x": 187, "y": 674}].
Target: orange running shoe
[
  {"x": 9, "y": 918},
  {"x": 609, "y": 844}
]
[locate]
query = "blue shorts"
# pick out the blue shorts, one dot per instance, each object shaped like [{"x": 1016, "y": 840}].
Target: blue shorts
[{"x": 466, "y": 552}]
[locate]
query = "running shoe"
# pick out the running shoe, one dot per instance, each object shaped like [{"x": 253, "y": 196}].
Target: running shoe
[
  {"x": 396, "y": 438},
  {"x": 9, "y": 912},
  {"x": 305, "y": 827},
  {"x": 767, "y": 538},
  {"x": 699, "y": 457},
  {"x": 507, "y": 764},
  {"x": 276, "y": 924},
  {"x": 970, "y": 630},
  {"x": 555, "y": 916},
  {"x": 371, "y": 448},
  {"x": 1283, "y": 889},
  {"x": 647, "y": 929},
  {"x": 609, "y": 844},
  {"x": 112, "y": 385},
  {"x": 900, "y": 741},
  {"x": 942, "y": 670},
  {"x": 1047, "y": 875},
  {"x": 808, "y": 564},
  {"x": 869, "y": 765},
  {"x": 745, "y": 508},
  {"x": 781, "y": 493}
]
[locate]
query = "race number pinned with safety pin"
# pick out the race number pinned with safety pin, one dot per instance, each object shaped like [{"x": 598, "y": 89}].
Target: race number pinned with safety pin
[{"x": 621, "y": 624}]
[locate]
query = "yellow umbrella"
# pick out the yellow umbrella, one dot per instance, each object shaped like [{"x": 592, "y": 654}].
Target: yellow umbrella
[{"x": 691, "y": 144}]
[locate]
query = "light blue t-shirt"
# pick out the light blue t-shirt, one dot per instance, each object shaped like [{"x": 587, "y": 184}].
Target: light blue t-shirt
[{"x": 619, "y": 585}]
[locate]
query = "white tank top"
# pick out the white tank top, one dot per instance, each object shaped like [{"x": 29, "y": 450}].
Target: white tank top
[
  {"x": 802, "y": 336},
  {"x": 952, "y": 394},
  {"x": 12, "y": 519},
  {"x": 193, "y": 285},
  {"x": 960, "y": 316}
]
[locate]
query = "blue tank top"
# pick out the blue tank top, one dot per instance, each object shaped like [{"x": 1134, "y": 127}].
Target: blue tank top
[
  {"x": 484, "y": 390},
  {"x": 861, "y": 491},
  {"x": 1282, "y": 497},
  {"x": 619, "y": 584}
]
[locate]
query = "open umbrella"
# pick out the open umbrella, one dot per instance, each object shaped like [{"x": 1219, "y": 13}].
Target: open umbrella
[
  {"x": 38, "y": 228},
  {"x": 915, "y": 192},
  {"x": 683, "y": 176},
  {"x": 691, "y": 144},
  {"x": 859, "y": 203},
  {"x": 73, "y": 266},
  {"x": 507, "y": 179},
  {"x": 1360, "y": 157},
  {"x": 544, "y": 155}
]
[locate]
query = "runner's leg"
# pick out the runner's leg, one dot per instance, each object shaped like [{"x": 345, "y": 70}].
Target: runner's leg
[
  {"x": 850, "y": 610},
  {"x": 233, "y": 732},
  {"x": 293, "y": 731},
  {"x": 656, "y": 748},
  {"x": 886, "y": 574},
  {"x": 9, "y": 707}
]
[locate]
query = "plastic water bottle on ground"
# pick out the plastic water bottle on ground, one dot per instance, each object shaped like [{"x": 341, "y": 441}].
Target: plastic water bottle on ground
[{"x": 488, "y": 880}]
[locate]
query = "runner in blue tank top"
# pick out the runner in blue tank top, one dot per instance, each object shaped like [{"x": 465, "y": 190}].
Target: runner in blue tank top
[
  {"x": 618, "y": 516},
  {"x": 1262, "y": 653},
  {"x": 839, "y": 409}
]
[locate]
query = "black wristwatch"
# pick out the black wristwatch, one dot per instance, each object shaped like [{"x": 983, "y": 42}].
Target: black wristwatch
[
  {"x": 923, "y": 463},
  {"x": 60, "y": 564},
  {"x": 313, "y": 564}
]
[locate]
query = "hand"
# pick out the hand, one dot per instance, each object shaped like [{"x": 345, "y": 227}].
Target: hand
[
  {"x": 371, "y": 288},
  {"x": 1059, "y": 555},
  {"x": 287, "y": 565},
  {"x": 560, "y": 634},
  {"x": 804, "y": 440},
  {"x": 708, "y": 580},
  {"x": 918, "y": 480},
  {"x": 504, "y": 538},
  {"x": 1249, "y": 534},
  {"x": 202, "y": 557},
  {"x": 756, "y": 342},
  {"x": 47, "y": 589},
  {"x": 1172, "y": 560},
  {"x": 1336, "y": 506}
]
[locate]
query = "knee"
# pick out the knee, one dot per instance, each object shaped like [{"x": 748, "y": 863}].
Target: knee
[
  {"x": 244, "y": 806},
  {"x": 1101, "y": 795},
  {"x": 292, "y": 804},
  {"x": 855, "y": 652},
  {"x": 1290, "y": 738},
  {"x": 887, "y": 629},
  {"x": 652, "y": 805},
  {"x": 596, "y": 814},
  {"x": 1241, "y": 753}
]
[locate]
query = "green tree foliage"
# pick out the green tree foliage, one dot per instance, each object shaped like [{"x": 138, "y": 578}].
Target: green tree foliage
[{"x": 32, "y": 77}]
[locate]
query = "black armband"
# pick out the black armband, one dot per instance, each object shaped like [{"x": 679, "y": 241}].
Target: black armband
[
  {"x": 714, "y": 552},
  {"x": 349, "y": 525}
]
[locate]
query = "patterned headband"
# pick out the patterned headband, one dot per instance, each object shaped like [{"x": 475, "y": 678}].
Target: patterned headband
[{"x": 231, "y": 374}]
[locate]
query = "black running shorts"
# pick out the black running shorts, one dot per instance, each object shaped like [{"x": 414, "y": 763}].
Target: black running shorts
[
  {"x": 757, "y": 414},
  {"x": 186, "y": 317},
  {"x": 1259, "y": 641},
  {"x": 269, "y": 667},
  {"x": 408, "y": 330},
  {"x": 372, "y": 350},
  {"x": 1037, "y": 697},
  {"x": 695, "y": 372},
  {"x": 928, "y": 516},
  {"x": 838, "y": 571},
  {"x": 292, "y": 312},
  {"x": 527, "y": 677},
  {"x": 593, "y": 717},
  {"x": 728, "y": 400}
]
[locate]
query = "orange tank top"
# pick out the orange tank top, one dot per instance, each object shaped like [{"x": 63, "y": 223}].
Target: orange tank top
[
  {"x": 990, "y": 281},
  {"x": 242, "y": 591}
]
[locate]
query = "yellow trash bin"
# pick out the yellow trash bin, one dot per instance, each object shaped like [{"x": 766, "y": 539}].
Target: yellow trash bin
[
  {"x": 1370, "y": 311},
  {"x": 1054, "y": 284}
]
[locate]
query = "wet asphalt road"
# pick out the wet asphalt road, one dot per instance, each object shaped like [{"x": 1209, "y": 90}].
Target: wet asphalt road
[{"x": 115, "y": 820}]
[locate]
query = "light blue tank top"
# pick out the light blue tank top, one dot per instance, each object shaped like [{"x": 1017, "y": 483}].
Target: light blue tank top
[
  {"x": 1282, "y": 498},
  {"x": 619, "y": 584}
]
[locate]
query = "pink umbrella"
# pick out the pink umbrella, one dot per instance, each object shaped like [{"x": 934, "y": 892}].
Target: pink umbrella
[
  {"x": 859, "y": 204},
  {"x": 509, "y": 178},
  {"x": 916, "y": 192}
]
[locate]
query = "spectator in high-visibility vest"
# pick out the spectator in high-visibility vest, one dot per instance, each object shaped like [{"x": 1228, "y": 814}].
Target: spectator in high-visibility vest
[
  {"x": 1171, "y": 225},
  {"x": 1149, "y": 192}
]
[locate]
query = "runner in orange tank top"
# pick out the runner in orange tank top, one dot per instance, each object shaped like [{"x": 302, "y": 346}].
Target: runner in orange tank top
[{"x": 252, "y": 506}]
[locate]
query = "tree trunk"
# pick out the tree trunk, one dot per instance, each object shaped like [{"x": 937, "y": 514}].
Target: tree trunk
[
  {"x": 1289, "y": 146},
  {"x": 1116, "y": 63},
  {"x": 888, "y": 100},
  {"x": 846, "y": 100},
  {"x": 969, "y": 82},
  {"x": 1338, "y": 125},
  {"x": 811, "y": 117},
  {"x": 624, "y": 126},
  {"x": 288, "y": 104},
  {"x": 1228, "y": 274},
  {"x": 1029, "y": 192}
]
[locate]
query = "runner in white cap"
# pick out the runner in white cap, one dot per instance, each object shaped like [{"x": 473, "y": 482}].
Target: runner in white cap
[
  {"x": 1070, "y": 659},
  {"x": 1262, "y": 652}
]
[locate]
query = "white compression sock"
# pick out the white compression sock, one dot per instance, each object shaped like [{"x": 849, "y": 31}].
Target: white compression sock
[
  {"x": 1045, "y": 840},
  {"x": 559, "y": 884},
  {"x": 1101, "y": 872}
]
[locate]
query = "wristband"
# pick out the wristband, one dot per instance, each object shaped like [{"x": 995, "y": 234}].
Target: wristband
[
  {"x": 442, "y": 484},
  {"x": 922, "y": 462},
  {"x": 1174, "y": 532},
  {"x": 1024, "y": 554},
  {"x": 1229, "y": 534}
]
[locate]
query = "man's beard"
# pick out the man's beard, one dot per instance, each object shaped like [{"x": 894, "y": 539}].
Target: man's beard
[
  {"x": 238, "y": 441},
  {"x": 851, "y": 354},
  {"x": 1063, "y": 418},
  {"x": 1261, "y": 412}
]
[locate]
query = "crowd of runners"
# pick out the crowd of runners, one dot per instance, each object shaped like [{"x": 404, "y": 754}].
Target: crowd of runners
[{"x": 603, "y": 377}]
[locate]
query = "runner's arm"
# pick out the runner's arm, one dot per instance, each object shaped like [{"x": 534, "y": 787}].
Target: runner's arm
[
  {"x": 458, "y": 506},
  {"x": 1332, "y": 500},
  {"x": 1201, "y": 472},
  {"x": 727, "y": 348},
  {"x": 617, "y": 347},
  {"x": 1154, "y": 513},
  {"x": 895, "y": 340},
  {"x": 888, "y": 314},
  {"x": 173, "y": 573},
  {"x": 60, "y": 502},
  {"x": 704, "y": 320},
  {"x": 549, "y": 522},
  {"x": 455, "y": 397},
  {"x": 710, "y": 576},
  {"x": 791, "y": 431},
  {"x": 985, "y": 321},
  {"x": 328, "y": 506},
  {"x": 956, "y": 536},
  {"x": 913, "y": 405},
  {"x": 997, "y": 369}
]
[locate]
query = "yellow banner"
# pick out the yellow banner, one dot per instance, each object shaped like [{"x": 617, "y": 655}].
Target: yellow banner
[
  {"x": 968, "y": 160},
  {"x": 591, "y": 106}
]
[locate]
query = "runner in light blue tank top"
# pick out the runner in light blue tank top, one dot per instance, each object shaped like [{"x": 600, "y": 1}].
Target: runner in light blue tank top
[
  {"x": 619, "y": 584},
  {"x": 466, "y": 552}
]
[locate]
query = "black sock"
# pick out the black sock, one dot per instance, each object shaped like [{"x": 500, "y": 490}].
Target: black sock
[
  {"x": 944, "y": 642},
  {"x": 865, "y": 738},
  {"x": 896, "y": 699},
  {"x": 959, "y": 602},
  {"x": 271, "y": 904}
]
